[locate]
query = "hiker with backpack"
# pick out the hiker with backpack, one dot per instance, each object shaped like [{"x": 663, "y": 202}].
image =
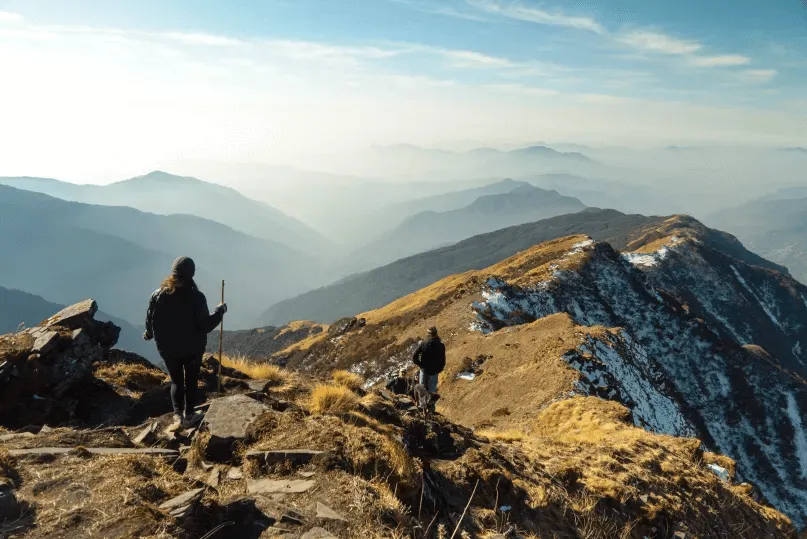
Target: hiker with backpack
[
  {"x": 430, "y": 357},
  {"x": 178, "y": 320}
]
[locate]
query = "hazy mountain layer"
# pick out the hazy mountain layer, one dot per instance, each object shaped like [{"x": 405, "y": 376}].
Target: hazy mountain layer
[
  {"x": 774, "y": 227},
  {"x": 428, "y": 230},
  {"x": 66, "y": 251},
  {"x": 165, "y": 194}
]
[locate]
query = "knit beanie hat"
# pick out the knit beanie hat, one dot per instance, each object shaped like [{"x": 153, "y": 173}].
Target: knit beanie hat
[{"x": 183, "y": 267}]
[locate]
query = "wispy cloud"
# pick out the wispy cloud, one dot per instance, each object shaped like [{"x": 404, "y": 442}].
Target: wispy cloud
[
  {"x": 659, "y": 42},
  {"x": 721, "y": 60},
  {"x": 7, "y": 16},
  {"x": 757, "y": 76},
  {"x": 522, "y": 12},
  {"x": 202, "y": 39},
  {"x": 465, "y": 58},
  {"x": 524, "y": 89}
]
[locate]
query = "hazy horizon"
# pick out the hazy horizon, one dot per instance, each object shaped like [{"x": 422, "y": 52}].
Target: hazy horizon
[{"x": 106, "y": 92}]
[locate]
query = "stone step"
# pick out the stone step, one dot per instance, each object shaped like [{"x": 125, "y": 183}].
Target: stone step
[
  {"x": 282, "y": 486},
  {"x": 39, "y": 451}
]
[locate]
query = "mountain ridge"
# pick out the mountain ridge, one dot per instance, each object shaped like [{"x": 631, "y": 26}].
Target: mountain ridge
[{"x": 692, "y": 340}]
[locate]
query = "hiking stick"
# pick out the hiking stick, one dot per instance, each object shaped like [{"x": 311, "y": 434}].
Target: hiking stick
[
  {"x": 221, "y": 339},
  {"x": 466, "y": 510}
]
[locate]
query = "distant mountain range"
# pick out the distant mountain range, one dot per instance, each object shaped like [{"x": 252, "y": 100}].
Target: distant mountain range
[
  {"x": 67, "y": 251},
  {"x": 21, "y": 308},
  {"x": 166, "y": 194},
  {"x": 774, "y": 227},
  {"x": 372, "y": 289},
  {"x": 429, "y": 229}
]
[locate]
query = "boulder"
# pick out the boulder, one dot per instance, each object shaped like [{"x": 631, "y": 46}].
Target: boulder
[
  {"x": 74, "y": 316},
  {"x": 234, "y": 474},
  {"x": 227, "y": 420},
  {"x": 278, "y": 486},
  {"x": 342, "y": 326}
]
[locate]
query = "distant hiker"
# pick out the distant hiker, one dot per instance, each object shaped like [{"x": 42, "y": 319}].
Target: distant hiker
[
  {"x": 178, "y": 321},
  {"x": 399, "y": 384},
  {"x": 430, "y": 357}
]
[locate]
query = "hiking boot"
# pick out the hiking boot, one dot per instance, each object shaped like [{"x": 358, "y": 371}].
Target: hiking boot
[
  {"x": 176, "y": 424},
  {"x": 191, "y": 419}
]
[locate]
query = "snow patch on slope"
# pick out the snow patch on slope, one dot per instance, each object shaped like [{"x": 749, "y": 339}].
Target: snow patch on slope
[{"x": 800, "y": 437}]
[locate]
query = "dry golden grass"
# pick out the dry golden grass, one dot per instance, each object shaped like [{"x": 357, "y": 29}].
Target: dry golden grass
[
  {"x": 257, "y": 371},
  {"x": 332, "y": 399},
  {"x": 347, "y": 379},
  {"x": 509, "y": 435},
  {"x": 8, "y": 468},
  {"x": 132, "y": 376}
]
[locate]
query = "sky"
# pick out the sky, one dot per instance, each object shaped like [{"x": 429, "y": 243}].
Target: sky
[{"x": 105, "y": 90}]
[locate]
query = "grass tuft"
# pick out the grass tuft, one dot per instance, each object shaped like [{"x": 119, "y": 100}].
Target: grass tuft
[
  {"x": 332, "y": 399},
  {"x": 347, "y": 379},
  {"x": 257, "y": 371}
]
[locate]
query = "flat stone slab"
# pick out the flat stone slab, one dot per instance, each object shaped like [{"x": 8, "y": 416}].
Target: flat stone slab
[
  {"x": 95, "y": 451},
  {"x": 296, "y": 457},
  {"x": 235, "y": 474},
  {"x": 229, "y": 417},
  {"x": 74, "y": 315},
  {"x": 323, "y": 511},
  {"x": 281, "y": 486},
  {"x": 183, "y": 500}
]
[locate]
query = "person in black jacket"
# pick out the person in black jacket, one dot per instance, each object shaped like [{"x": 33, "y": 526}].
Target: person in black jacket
[
  {"x": 430, "y": 357},
  {"x": 178, "y": 321}
]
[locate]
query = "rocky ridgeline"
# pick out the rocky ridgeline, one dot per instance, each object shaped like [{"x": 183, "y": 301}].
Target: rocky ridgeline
[
  {"x": 40, "y": 367},
  {"x": 295, "y": 457}
]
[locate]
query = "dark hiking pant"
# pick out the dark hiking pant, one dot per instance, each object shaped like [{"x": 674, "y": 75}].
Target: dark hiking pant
[{"x": 184, "y": 373}]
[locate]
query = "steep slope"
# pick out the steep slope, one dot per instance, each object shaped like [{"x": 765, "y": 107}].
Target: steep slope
[
  {"x": 685, "y": 330},
  {"x": 775, "y": 227},
  {"x": 429, "y": 230},
  {"x": 372, "y": 289},
  {"x": 64, "y": 250},
  {"x": 166, "y": 194},
  {"x": 21, "y": 309},
  {"x": 281, "y": 459},
  {"x": 264, "y": 342}
]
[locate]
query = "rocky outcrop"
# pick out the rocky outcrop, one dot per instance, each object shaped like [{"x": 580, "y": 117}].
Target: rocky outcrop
[{"x": 41, "y": 366}]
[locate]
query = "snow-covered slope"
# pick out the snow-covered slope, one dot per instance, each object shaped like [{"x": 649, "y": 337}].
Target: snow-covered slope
[{"x": 685, "y": 358}]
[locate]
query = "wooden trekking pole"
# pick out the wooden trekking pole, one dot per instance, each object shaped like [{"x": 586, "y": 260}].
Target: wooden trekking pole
[{"x": 221, "y": 339}]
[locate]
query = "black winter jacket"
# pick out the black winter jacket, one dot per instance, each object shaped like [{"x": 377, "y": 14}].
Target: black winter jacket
[
  {"x": 430, "y": 356},
  {"x": 180, "y": 322}
]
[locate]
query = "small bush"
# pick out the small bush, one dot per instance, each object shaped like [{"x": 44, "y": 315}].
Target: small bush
[
  {"x": 332, "y": 399},
  {"x": 347, "y": 379}
]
